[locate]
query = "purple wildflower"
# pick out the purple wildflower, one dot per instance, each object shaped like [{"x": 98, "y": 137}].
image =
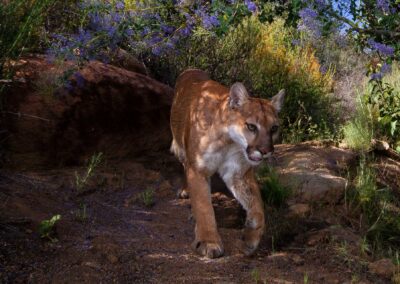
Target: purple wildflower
[
  {"x": 309, "y": 22},
  {"x": 380, "y": 47},
  {"x": 120, "y": 5},
  {"x": 169, "y": 44},
  {"x": 251, "y": 6},
  {"x": 376, "y": 76},
  {"x": 84, "y": 36},
  {"x": 308, "y": 13},
  {"x": 145, "y": 31},
  {"x": 111, "y": 31},
  {"x": 167, "y": 29},
  {"x": 209, "y": 21},
  {"x": 80, "y": 81},
  {"x": 69, "y": 86},
  {"x": 186, "y": 31},
  {"x": 386, "y": 68},
  {"x": 323, "y": 69},
  {"x": 154, "y": 39},
  {"x": 157, "y": 50},
  {"x": 321, "y": 4},
  {"x": 383, "y": 5},
  {"x": 341, "y": 40},
  {"x": 129, "y": 32},
  {"x": 190, "y": 20},
  {"x": 116, "y": 17},
  {"x": 296, "y": 42}
]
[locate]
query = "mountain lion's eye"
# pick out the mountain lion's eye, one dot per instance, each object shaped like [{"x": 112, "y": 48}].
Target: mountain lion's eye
[
  {"x": 251, "y": 127},
  {"x": 274, "y": 128}
]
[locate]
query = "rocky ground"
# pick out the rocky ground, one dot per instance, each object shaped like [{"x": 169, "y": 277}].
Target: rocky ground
[{"x": 125, "y": 224}]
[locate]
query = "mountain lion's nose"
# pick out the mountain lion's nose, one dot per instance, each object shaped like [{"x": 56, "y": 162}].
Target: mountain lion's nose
[{"x": 265, "y": 150}]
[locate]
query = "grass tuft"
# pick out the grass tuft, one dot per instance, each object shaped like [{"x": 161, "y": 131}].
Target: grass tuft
[
  {"x": 359, "y": 131},
  {"x": 272, "y": 191},
  {"x": 94, "y": 162},
  {"x": 380, "y": 222},
  {"x": 147, "y": 197}
]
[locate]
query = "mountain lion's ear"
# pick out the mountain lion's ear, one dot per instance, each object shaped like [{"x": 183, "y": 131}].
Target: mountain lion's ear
[
  {"x": 238, "y": 95},
  {"x": 277, "y": 100}
]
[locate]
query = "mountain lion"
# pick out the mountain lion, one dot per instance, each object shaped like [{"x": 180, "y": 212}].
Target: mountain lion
[{"x": 224, "y": 131}]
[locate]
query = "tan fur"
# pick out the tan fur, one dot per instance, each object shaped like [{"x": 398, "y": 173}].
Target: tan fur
[{"x": 212, "y": 133}]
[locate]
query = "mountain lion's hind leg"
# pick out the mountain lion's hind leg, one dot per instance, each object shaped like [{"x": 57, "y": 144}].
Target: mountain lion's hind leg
[
  {"x": 179, "y": 152},
  {"x": 183, "y": 192}
]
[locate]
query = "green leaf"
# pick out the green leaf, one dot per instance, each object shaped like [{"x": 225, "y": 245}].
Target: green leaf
[
  {"x": 46, "y": 227},
  {"x": 393, "y": 125}
]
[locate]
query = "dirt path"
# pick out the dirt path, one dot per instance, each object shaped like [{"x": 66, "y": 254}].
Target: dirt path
[{"x": 108, "y": 235}]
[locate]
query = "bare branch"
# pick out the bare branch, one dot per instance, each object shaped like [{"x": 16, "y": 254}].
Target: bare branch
[
  {"x": 26, "y": 115},
  {"x": 392, "y": 34}
]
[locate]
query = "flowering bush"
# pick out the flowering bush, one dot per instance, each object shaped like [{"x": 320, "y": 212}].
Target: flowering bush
[
  {"x": 151, "y": 28},
  {"x": 262, "y": 56},
  {"x": 263, "y": 52},
  {"x": 216, "y": 36},
  {"x": 106, "y": 26},
  {"x": 378, "y": 112},
  {"x": 383, "y": 98}
]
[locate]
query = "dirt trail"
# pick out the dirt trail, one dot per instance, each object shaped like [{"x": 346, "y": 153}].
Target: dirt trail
[
  {"x": 121, "y": 240},
  {"x": 106, "y": 233}
]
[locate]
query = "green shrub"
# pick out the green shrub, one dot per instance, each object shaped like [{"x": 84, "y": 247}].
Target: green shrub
[
  {"x": 384, "y": 102},
  {"x": 377, "y": 114},
  {"x": 261, "y": 55},
  {"x": 384, "y": 99}
]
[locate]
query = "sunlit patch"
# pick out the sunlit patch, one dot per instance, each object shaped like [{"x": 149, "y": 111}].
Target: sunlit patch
[{"x": 236, "y": 134}]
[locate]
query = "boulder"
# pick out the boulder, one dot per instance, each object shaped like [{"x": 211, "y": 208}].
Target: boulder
[
  {"x": 383, "y": 267},
  {"x": 123, "y": 59},
  {"x": 313, "y": 171},
  {"x": 299, "y": 210},
  {"x": 102, "y": 108}
]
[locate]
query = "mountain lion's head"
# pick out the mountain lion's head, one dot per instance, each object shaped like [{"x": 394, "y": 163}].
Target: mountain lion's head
[{"x": 253, "y": 122}]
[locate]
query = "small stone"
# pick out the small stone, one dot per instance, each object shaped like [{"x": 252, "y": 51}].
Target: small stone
[
  {"x": 300, "y": 209},
  {"x": 317, "y": 238},
  {"x": 112, "y": 258},
  {"x": 165, "y": 186},
  {"x": 297, "y": 259},
  {"x": 380, "y": 145},
  {"x": 343, "y": 145},
  {"x": 383, "y": 267},
  {"x": 90, "y": 264}
]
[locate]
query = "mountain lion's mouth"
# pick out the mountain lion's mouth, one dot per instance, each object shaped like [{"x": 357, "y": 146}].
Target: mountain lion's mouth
[{"x": 255, "y": 157}]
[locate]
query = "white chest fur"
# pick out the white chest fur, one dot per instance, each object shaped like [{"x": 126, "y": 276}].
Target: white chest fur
[{"x": 228, "y": 161}]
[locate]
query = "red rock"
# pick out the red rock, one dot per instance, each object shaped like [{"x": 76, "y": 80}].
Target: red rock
[{"x": 108, "y": 109}]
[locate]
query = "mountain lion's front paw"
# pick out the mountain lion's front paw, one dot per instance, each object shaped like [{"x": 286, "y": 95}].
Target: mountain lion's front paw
[
  {"x": 208, "y": 249},
  {"x": 252, "y": 233}
]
